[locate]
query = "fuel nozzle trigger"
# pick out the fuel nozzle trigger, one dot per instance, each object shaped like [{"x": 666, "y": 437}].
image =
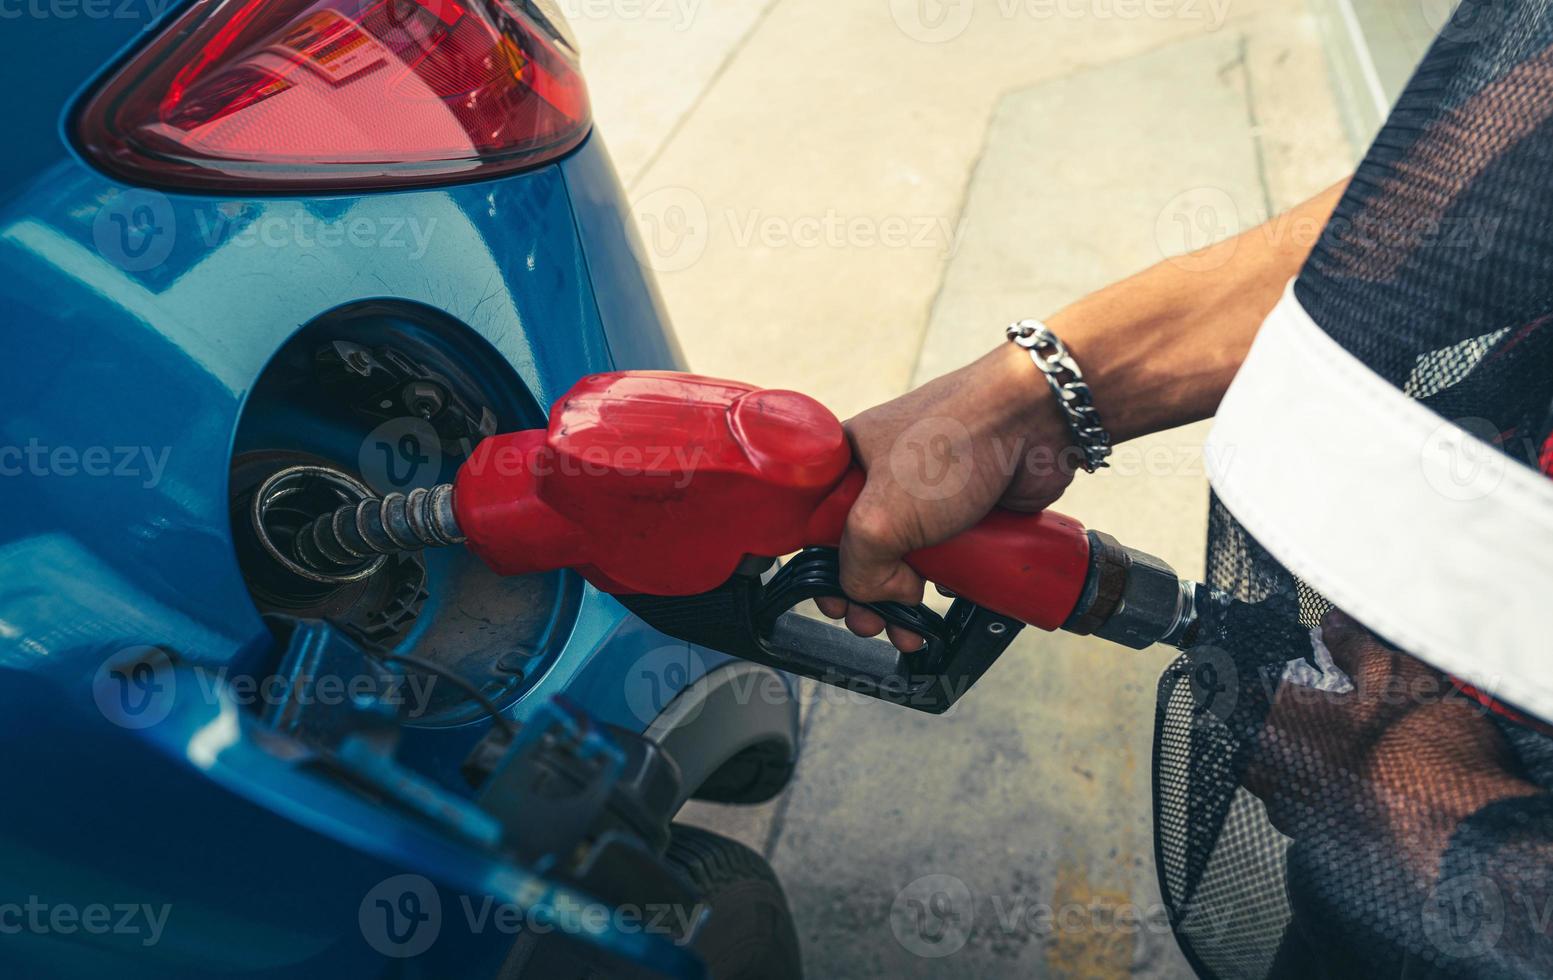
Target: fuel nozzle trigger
[{"x": 753, "y": 616}]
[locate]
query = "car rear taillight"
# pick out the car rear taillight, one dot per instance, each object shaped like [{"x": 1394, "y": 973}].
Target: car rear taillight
[{"x": 269, "y": 95}]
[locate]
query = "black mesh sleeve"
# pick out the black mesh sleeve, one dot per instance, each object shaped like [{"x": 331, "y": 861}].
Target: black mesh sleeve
[{"x": 1491, "y": 914}]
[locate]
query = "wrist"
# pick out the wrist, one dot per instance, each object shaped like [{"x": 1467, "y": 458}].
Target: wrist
[
  {"x": 1157, "y": 351},
  {"x": 1029, "y": 409},
  {"x": 1129, "y": 369},
  {"x": 1070, "y": 390}
]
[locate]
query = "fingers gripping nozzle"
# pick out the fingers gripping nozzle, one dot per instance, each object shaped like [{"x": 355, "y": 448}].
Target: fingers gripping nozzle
[{"x": 354, "y": 534}]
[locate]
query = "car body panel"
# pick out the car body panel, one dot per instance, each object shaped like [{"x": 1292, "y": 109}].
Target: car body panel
[
  {"x": 158, "y": 361},
  {"x": 142, "y": 350}
]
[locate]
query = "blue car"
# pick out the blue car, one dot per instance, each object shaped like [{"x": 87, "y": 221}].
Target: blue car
[{"x": 259, "y": 258}]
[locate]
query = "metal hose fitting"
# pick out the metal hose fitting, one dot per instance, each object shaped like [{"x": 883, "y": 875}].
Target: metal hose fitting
[{"x": 355, "y": 534}]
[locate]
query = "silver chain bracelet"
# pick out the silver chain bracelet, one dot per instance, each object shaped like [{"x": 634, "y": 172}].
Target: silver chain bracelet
[{"x": 1062, "y": 373}]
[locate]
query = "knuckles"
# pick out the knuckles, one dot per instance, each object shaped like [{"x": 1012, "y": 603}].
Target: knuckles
[{"x": 873, "y": 530}]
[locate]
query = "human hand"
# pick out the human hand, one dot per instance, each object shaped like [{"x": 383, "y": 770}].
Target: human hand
[{"x": 938, "y": 460}]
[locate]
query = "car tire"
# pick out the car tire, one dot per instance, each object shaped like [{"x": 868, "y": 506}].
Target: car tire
[{"x": 749, "y": 933}]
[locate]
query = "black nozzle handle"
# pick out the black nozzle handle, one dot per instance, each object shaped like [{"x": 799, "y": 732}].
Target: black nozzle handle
[{"x": 817, "y": 649}]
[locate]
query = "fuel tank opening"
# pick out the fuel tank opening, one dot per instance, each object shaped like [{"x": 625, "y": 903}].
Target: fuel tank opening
[
  {"x": 364, "y": 406},
  {"x": 354, "y": 535},
  {"x": 275, "y": 496},
  {"x": 284, "y": 512}
]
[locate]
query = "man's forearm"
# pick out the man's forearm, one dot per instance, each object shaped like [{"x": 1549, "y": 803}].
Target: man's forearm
[{"x": 1160, "y": 348}]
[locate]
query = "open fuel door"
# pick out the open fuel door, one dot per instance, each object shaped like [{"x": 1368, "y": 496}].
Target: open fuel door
[{"x": 313, "y": 837}]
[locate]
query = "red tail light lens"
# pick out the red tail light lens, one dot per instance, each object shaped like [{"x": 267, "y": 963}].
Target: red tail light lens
[{"x": 339, "y": 94}]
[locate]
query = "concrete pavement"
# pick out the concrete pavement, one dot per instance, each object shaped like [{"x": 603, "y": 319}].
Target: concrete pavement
[{"x": 850, "y": 198}]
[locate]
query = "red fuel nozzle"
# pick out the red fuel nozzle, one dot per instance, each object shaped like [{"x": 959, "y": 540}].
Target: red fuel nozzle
[
  {"x": 659, "y": 484},
  {"x": 661, "y": 488},
  {"x": 662, "y": 484}
]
